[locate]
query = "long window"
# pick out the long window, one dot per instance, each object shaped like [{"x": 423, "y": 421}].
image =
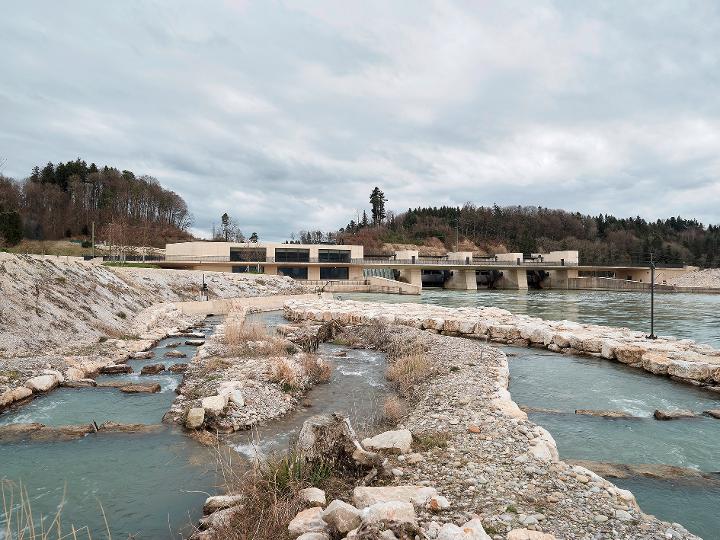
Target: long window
[
  {"x": 334, "y": 272},
  {"x": 334, "y": 255},
  {"x": 292, "y": 255},
  {"x": 295, "y": 272},
  {"x": 248, "y": 254}
]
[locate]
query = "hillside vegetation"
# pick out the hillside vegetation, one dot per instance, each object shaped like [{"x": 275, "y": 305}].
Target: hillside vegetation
[
  {"x": 63, "y": 200},
  {"x": 489, "y": 230}
]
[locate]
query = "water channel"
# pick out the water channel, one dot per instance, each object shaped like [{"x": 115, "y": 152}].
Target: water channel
[
  {"x": 153, "y": 485},
  {"x": 541, "y": 379}
]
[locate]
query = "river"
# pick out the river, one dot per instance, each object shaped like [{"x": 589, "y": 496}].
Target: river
[{"x": 541, "y": 379}]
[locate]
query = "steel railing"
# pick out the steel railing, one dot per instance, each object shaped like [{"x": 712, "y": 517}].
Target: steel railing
[{"x": 374, "y": 261}]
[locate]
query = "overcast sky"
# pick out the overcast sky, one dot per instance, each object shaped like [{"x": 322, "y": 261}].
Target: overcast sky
[{"x": 286, "y": 114}]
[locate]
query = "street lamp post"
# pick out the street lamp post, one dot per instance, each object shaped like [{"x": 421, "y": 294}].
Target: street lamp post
[{"x": 652, "y": 299}]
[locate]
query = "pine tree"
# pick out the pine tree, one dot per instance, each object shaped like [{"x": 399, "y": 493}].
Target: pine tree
[
  {"x": 377, "y": 200},
  {"x": 364, "y": 222},
  {"x": 254, "y": 238}
]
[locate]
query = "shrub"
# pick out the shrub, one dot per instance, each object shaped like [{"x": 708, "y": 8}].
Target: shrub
[
  {"x": 426, "y": 441},
  {"x": 393, "y": 409},
  {"x": 286, "y": 372},
  {"x": 269, "y": 490},
  {"x": 408, "y": 370},
  {"x": 316, "y": 369}
]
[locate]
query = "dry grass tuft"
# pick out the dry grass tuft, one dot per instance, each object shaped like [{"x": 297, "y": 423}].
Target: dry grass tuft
[
  {"x": 252, "y": 339},
  {"x": 269, "y": 490},
  {"x": 408, "y": 370},
  {"x": 316, "y": 369},
  {"x": 393, "y": 409},
  {"x": 286, "y": 372}
]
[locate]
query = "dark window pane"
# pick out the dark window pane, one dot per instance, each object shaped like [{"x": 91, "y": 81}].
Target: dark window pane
[
  {"x": 295, "y": 272},
  {"x": 334, "y": 255},
  {"x": 292, "y": 255},
  {"x": 334, "y": 272}
]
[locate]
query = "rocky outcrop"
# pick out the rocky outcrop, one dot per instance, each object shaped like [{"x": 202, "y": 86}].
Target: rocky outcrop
[
  {"x": 140, "y": 388},
  {"x": 604, "y": 414},
  {"x": 152, "y": 369},
  {"x": 673, "y": 414}
]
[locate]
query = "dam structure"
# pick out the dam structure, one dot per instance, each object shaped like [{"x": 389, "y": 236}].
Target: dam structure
[{"x": 324, "y": 264}]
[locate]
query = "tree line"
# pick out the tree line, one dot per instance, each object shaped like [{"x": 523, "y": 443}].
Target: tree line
[
  {"x": 601, "y": 239},
  {"x": 63, "y": 200}
]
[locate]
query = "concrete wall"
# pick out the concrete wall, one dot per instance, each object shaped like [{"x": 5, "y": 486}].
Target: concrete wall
[
  {"x": 222, "y": 249},
  {"x": 464, "y": 280}
]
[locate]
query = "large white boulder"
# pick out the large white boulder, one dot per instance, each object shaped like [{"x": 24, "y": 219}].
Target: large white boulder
[
  {"x": 220, "y": 502},
  {"x": 526, "y": 534},
  {"x": 195, "y": 418},
  {"x": 307, "y": 521},
  {"x": 389, "y": 513},
  {"x": 313, "y": 496},
  {"x": 366, "y": 496},
  {"x": 341, "y": 516},
  {"x": 16, "y": 394},
  {"x": 398, "y": 441},
  {"x": 42, "y": 383},
  {"x": 215, "y": 404}
]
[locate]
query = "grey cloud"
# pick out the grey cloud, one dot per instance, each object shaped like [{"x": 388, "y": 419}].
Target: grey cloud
[{"x": 287, "y": 114}]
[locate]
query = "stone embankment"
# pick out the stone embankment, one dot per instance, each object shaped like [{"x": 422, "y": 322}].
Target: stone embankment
[
  {"x": 681, "y": 359},
  {"x": 466, "y": 462},
  {"x": 68, "y": 303},
  {"x": 702, "y": 279},
  {"x": 63, "y": 322}
]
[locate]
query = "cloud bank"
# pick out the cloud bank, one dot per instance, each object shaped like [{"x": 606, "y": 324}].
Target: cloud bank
[{"x": 286, "y": 114}]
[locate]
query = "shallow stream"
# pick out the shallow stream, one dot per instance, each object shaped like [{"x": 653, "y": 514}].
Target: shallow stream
[{"x": 153, "y": 485}]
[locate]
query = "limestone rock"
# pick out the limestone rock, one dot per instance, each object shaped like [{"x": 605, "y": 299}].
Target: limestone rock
[
  {"x": 152, "y": 369},
  {"x": 314, "y": 536},
  {"x": 390, "y": 513},
  {"x": 175, "y": 354},
  {"x": 673, "y": 415},
  {"x": 178, "y": 368},
  {"x": 313, "y": 496},
  {"x": 140, "y": 388},
  {"x": 603, "y": 414},
  {"x": 417, "y": 495},
  {"x": 472, "y": 530},
  {"x": 195, "y": 418},
  {"x": 42, "y": 383},
  {"x": 398, "y": 441},
  {"x": 220, "y": 502},
  {"x": 79, "y": 383},
  {"x": 143, "y": 355},
  {"x": 307, "y": 521},
  {"x": 114, "y": 369},
  {"x": 715, "y": 413},
  {"x": 341, "y": 516},
  {"x": 215, "y": 404},
  {"x": 16, "y": 394}
]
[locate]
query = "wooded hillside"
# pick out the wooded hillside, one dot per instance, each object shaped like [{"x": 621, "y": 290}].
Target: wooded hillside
[
  {"x": 492, "y": 229},
  {"x": 63, "y": 200}
]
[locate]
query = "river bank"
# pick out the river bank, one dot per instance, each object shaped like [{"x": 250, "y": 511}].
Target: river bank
[
  {"x": 65, "y": 321},
  {"x": 683, "y": 360},
  {"x": 474, "y": 451}
]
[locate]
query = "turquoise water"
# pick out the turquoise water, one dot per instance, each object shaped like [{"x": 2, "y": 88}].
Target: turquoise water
[
  {"x": 153, "y": 485},
  {"x": 693, "y": 316},
  {"x": 561, "y": 382},
  {"x": 149, "y": 485},
  {"x": 542, "y": 379}
]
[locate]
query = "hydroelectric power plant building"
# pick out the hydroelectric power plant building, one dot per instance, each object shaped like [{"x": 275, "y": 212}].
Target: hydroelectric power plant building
[{"x": 347, "y": 265}]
